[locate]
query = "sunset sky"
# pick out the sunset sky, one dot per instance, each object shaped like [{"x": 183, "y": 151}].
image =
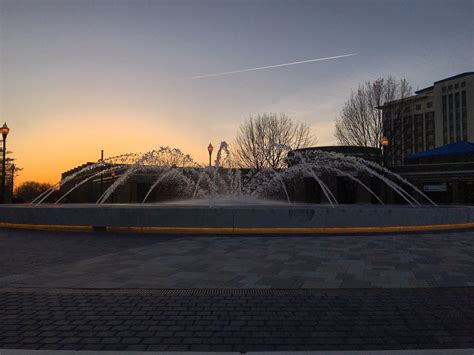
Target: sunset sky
[{"x": 78, "y": 76}]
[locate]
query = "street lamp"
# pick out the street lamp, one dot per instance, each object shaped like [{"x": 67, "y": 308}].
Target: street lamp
[
  {"x": 384, "y": 142},
  {"x": 5, "y": 131},
  {"x": 210, "y": 148}
]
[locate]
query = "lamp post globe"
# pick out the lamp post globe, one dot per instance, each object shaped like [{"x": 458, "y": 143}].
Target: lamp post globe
[
  {"x": 5, "y": 131},
  {"x": 210, "y": 148}
]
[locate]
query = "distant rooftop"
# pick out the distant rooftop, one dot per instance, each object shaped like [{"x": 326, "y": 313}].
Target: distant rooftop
[
  {"x": 425, "y": 90},
  {"x": 429, "y": 88},
  {"x": 405, "y": 99},
  {"x": 421, "y": 91}
]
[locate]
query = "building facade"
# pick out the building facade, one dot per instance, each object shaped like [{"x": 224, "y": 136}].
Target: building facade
[
  {"x": 445, "y": 174},
  {"x": 437, "y": 115}
]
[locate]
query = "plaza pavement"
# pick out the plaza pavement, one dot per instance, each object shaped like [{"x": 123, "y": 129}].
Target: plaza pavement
[
  {"x": 101, "y": 260},
  {"x": 237, "y": 320},
  {"x": 75, "y": 291}
]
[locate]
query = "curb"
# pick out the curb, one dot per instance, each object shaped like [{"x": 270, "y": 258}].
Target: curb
[{"x": 240, "y": 230}]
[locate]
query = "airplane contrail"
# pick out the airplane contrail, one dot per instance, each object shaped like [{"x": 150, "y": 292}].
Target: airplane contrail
[{"x": 272, "y": 66}]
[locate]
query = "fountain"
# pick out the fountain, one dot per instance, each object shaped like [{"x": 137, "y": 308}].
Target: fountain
[{"x": 223, "y": 198}]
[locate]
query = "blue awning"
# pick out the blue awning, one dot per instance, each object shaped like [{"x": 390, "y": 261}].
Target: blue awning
[{"x": 456, "y": 148}]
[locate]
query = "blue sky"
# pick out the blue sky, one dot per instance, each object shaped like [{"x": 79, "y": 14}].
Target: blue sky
[{"x": 115, "y": 75}]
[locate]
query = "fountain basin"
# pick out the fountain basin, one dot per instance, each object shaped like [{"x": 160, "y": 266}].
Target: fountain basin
[{"x": 238, "y": 219}]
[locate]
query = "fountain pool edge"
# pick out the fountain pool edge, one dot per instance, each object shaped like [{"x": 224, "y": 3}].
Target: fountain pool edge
[
  {"x": 293, "y": 219},
  {"x": 242, "y": 231}
]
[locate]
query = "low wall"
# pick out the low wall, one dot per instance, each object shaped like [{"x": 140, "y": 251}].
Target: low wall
[{"x": 292, "y": 216}]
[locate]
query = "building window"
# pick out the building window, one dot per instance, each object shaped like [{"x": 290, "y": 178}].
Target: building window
[
  {"x": 457, "y": 106},
  {"x": 408, "y": 135},
  {"x": 419, "y": 136},
  {"x": 445, "y": 121},
  {"x": 429, "y": 104},
  {"x": 397, "y": 140},
  {"x": 463, "y": 84},
  {"x": 451, "y": 121},
  {"x": 444, "y": 88},
  {"x": 450, "y": 87},
  {"x": 464, "y": 115},
  {"x": 418, "y": 107},
  {"x": 429, "y": 129},
  {"x": 456, "y": 86}
]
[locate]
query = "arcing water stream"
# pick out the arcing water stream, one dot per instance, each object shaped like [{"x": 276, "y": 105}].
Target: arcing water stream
[{"x": 223, "y": 182}]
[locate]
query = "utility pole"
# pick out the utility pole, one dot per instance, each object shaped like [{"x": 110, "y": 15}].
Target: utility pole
[
  {"x": 101, "y": 175},
  {"x": 5, "y": 131},
  {"x": 13, "y": 182}
]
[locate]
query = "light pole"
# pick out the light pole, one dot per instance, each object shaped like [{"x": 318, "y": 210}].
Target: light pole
[
  {"x": 384, "y": 142},
  {"x": 210, "y": 148},
  {"x": 101, "y": 175},
  {"x": 13, "y": 180},
  {"x": 113, "y": 181},
  {"x": 5, "y": 131}
]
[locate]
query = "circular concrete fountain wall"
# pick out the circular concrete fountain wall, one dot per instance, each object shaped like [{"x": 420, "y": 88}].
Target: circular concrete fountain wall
[{"x": 246, "y": 219}]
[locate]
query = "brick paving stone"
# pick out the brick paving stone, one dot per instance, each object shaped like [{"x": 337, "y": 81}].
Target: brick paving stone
[
  {"x": 90, "y": 340},
  {"x": 356, "y": 319},
  {"x": 130, "y": 340},
  {"x": 49, "y": 340}
]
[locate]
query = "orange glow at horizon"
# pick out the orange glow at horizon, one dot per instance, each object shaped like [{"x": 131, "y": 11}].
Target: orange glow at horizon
[
  {"x": 52, "y": 134},
  {"x": 46, "y": 152}
]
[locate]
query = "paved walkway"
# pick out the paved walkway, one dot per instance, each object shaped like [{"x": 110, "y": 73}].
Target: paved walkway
[
  {"x": 336, "y": 293},
  {"x": 237, "y": 320},
  {"x": 99, "y": 260}
]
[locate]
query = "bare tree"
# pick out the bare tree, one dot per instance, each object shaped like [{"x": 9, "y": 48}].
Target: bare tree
[
  {"x": 27, "y": 191},
  {"x": 361, "y": 120},
  {"x": 261, "y": 139},
  {"x": 11, "y": 172}
]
